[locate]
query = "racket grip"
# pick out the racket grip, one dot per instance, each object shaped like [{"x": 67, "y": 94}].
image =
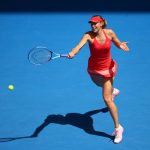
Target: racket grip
[{"x": 63, "y": 55}]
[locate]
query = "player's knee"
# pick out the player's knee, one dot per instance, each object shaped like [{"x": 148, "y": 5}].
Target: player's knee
[{"x": 107, "y": 98}]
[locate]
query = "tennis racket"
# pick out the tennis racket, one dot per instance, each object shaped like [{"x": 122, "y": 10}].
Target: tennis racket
[{"x": 40, "y": 55}]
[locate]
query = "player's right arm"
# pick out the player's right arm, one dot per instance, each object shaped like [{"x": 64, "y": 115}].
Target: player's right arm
[{"x": 81, "y": 43}]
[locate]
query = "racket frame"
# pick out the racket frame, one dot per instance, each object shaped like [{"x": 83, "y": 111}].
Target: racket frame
[{"x": 57, "y": 55}]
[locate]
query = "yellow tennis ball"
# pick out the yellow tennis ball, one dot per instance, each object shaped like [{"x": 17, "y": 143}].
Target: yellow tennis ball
[{"x": 11, "y": 87}]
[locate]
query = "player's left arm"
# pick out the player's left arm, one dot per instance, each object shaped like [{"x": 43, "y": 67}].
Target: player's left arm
[{"x": 117, "y": 42}]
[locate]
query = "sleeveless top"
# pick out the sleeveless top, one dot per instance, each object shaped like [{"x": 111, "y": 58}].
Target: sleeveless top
[{"x": 100, "y": 61}]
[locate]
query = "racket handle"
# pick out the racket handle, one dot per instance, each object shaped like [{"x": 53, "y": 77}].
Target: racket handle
[{"x": 63, "y": 55}]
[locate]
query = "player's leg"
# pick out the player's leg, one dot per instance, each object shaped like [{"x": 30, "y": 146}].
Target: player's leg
[
  {"x": 98, "y": 80},
  {"x": 107, "y": 96}
]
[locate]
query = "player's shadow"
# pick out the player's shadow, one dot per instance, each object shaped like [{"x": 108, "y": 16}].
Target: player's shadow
[
  {"x": 82, "y": 121},
  {"x": 9, "y": 139}
]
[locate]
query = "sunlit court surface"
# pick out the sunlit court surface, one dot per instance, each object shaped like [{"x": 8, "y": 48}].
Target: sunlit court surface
[{"x": 55, "y": 105}]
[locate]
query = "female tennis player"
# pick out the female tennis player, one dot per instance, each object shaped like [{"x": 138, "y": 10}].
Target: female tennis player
[{"x": 101, "y": 67}]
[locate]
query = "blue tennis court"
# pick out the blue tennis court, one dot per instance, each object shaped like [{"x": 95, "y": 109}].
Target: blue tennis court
[{"x": 58, "y": 100}]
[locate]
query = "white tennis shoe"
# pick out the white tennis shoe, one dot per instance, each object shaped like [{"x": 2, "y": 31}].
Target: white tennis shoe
[
  {"x": 118, "y": 134},
  {"x": 115, "y": 93}
]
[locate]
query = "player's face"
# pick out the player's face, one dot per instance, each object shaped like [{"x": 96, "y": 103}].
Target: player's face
[{"x": 95, "y": 27}]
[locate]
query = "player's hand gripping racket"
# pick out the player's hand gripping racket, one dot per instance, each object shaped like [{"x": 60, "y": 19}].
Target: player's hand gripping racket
[{"x": 40, "y": 55}]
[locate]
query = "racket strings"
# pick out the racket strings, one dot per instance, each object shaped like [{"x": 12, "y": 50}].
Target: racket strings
[{"x": 40, "y": 56}]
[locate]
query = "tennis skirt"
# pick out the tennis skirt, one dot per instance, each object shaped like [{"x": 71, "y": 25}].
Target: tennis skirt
[
  {"x": 110, "y": 72},
  {"x": 97, "y": 76}
]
